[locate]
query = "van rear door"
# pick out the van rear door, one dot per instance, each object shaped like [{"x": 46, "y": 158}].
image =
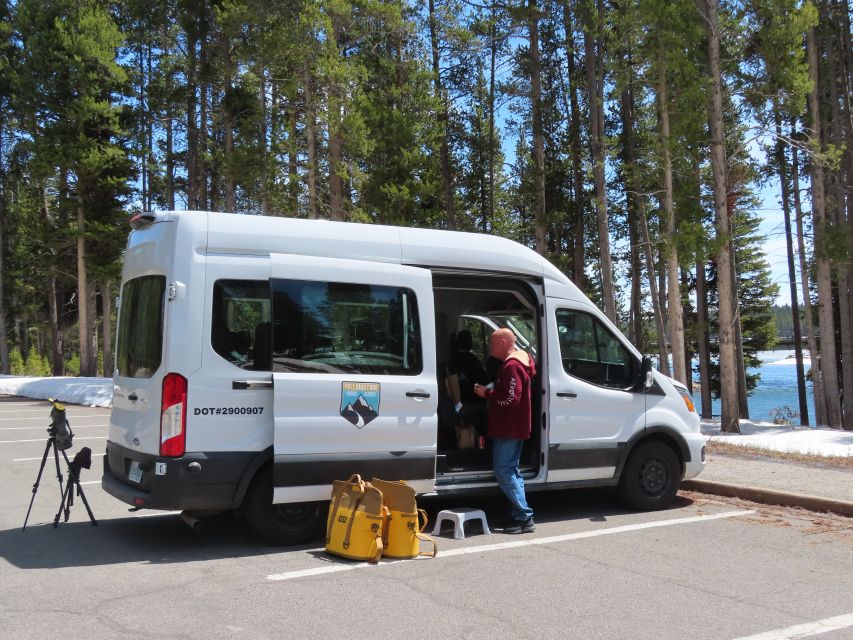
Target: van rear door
[{"x": 354, "y": 374}]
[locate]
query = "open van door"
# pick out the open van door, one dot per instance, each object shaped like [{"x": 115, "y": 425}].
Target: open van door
[{"x": 354, "y": 374}]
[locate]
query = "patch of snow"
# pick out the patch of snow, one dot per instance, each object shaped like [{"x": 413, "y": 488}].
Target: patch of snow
[
  {"x": 93, "y": 392},
  {"x": 786, "y": 439}
]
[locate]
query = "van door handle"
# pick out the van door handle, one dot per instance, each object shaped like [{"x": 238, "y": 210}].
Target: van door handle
[
  {"x": 133, "y": 397},
  {"x": 566, "y": 394},
  {"x": 417, "y": 394},
  {"x": 251, "y": 384}
]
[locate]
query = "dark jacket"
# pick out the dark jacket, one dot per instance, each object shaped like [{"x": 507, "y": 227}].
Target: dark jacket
[{"x": 509, "y": 402}]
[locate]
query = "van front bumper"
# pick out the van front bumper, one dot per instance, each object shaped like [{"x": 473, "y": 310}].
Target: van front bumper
[
  {"x": 696, "y": 443},
  {"x": 195, "y": 481}
]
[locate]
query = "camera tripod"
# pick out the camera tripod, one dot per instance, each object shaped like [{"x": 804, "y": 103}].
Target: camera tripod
[
  {"x": 61, "y": 430},
  {"x": 51, "y": 442}
]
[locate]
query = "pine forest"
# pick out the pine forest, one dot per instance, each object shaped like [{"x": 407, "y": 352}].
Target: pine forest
[{"x": 628, "y": 142}]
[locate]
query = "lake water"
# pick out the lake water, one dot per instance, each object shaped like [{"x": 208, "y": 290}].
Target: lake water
[{"x": 776, "y": 389}]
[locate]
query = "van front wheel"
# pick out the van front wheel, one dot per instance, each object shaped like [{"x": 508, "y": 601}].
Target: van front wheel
[
  {"x": 282, "y": 524},
  {"x": 651, "y": 477}
]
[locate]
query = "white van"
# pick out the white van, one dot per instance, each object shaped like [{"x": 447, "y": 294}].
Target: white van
[{"x": 258, "y": 359}]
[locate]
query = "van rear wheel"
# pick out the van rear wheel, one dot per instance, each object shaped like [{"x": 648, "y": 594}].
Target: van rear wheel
[
  {"x": 651, "y": 477},
  {"x": 282, "y": 524}
]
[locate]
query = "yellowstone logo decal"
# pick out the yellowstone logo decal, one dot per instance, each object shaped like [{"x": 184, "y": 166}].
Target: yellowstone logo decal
[{"x": 359, "y": 402}]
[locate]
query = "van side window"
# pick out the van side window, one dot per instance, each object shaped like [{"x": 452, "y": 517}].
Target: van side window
[
  {"x": 591, "y": 352},
  {"x": 140, "y": 331},
  {"x": 240, "y": 327},
  {"x": 338, "y": 327}
]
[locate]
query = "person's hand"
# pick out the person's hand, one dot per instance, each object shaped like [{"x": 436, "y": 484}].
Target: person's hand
[{"x": 480, "y": 390}]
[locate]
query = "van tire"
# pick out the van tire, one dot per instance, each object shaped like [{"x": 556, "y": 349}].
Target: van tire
[
  {"x": 651, "y": 477},
  {"x": 281, "y": 524}
]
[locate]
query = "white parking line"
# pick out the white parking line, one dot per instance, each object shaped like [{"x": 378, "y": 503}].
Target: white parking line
[
  {"x": 76, "y": 426},
  {"x": 39, "y": 458},
  {"x": 43, "y": 439},
  {"x": 514, "y": 544},
  {"x": 44, "y": 418},
  {"x": 805, "y": 630}
]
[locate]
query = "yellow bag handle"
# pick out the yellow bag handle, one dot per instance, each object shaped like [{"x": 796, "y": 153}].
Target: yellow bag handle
[
  {"x": 422, "y": 516},
  {"x": 426, "y": 538}
]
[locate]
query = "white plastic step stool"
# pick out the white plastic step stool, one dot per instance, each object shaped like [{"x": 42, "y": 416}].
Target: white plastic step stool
[{"x": 459, "y": 517}]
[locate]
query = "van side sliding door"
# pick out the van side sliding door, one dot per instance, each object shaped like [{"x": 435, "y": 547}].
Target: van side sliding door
[
  {"x": 354, "y": 374},
  {"x": 593, "y": 407}
]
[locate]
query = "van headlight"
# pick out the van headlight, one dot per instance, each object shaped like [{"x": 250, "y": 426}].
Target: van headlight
[{"x": 688, "y": 399}]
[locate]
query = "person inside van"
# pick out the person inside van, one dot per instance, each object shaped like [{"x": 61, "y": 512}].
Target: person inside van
[
  {"x": 509, "y": 419},
  {"x": 465, "y": 371}
]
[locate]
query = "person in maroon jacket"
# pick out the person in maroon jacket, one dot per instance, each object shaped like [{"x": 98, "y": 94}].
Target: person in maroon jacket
[{"x": 509, "y": 423}]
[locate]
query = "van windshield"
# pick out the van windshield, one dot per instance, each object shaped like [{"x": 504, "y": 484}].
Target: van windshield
[{"x": 140, "y": 331}]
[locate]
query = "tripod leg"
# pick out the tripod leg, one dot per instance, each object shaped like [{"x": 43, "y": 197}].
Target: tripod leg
[
  {"x": 56, "y": 460},
  {"x": 86, "y": 504},
  {"x": 62, "y": 504},
  {"x": 38, "y": 480}
]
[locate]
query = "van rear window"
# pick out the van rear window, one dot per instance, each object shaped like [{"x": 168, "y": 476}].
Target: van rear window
[
  {"x": 240, "y": 328},
  {"x": 140, "y": 331}
]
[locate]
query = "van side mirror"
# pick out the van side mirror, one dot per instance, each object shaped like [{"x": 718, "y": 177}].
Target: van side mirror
[{"x": 647, "y": 377}]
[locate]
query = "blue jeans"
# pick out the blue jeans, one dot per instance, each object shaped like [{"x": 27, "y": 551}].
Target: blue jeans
[{"x": 506, "y": 453}]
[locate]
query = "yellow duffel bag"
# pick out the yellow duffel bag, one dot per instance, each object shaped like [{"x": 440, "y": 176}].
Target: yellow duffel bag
[
  {"x": 401, "y": 532},
  {"x": 354, "y": 527}
]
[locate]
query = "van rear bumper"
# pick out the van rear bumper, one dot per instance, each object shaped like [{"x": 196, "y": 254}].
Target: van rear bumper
[{"x": 195, "y": 481}]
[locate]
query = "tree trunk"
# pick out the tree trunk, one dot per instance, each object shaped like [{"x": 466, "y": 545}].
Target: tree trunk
[
  {"x": 57, "y": 355},
  {"x": 576, "y": 153},
  {"x": 310, "y": 123},
  {"x": 782, "y": 164},
  {"x": 170, "y": 164},
  {"x": 493, "y": 54},
  {"x": 336, "y": 157},
  {"x": 87, "y": 360},
  {"x": 4, "y": 343},
  {"x": 687, "y": 358},
  {"x": 540, "y": 219},
  {"x": 335, "y": 134},
  {"x": 637, "y": 199},
  {"x": 265, "y": 154},
  {"x": 676, "y": 319},
  {"x": 592, "y": 52},
  {"x": 808, "y": 313},
  {"x": 193, "y": 160},
  {"x": 728, "y": 365},
  {"x": 229, "y": 116},
  {"x": 703, "y": 342},
  {"x": 293, "y": 160},
  {"x": 837, "y": 218},
  {"x": 106, "y": 323},
  {"x": 635, "y": 326},
  {"x": 828, "y": 357},
  {"x": 142, "y": 138},
  {"x": 205, "y": 193},
  {"x": 444, "y": 121}
]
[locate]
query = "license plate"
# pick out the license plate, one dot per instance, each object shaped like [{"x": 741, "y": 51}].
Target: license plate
[{"x": 135, "y": 474}]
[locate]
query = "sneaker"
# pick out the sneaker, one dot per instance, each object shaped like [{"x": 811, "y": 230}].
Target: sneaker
[{"x": 521, "y": 526}]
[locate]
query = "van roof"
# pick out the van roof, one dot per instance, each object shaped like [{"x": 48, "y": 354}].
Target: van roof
[{"x": 225, "y": 233}]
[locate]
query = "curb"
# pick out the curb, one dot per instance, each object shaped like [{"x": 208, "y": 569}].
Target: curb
[{"x": 769, "y": 496}]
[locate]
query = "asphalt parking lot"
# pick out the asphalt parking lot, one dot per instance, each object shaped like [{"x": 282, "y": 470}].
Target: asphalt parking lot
[{"x": 704, "y": 569}]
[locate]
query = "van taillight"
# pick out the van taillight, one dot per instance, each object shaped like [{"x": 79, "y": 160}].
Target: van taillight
[{"x": 173, "y": 416}]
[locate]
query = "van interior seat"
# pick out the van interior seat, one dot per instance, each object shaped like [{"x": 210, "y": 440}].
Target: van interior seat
[{"x": 467, "y": 366}]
